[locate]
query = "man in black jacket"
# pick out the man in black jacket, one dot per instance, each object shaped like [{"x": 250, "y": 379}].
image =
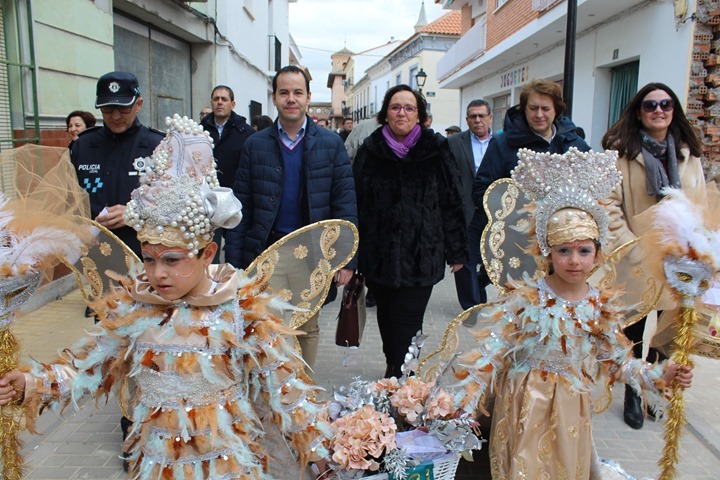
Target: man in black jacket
[
  {"x": 229, "y": 132},
  {"x": 291, "y": 174},
  {"x": 103, "y": 158}
]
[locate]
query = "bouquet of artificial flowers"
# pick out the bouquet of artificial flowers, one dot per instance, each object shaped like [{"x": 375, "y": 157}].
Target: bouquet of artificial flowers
[{"x": 393, "y": 425}]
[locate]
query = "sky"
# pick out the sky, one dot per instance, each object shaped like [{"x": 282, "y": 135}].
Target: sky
[{"x": 322, "y": 27}]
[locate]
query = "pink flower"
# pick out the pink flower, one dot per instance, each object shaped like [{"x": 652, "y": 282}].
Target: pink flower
[
  {"x": 441, "y": 405},
  {"x": 361, "y": 437},
  {"x": 411, "y": 398},
  {"x": 386, "y": 385}
]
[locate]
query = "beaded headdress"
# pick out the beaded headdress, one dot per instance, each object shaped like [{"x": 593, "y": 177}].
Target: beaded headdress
[
  {"x": 179, "y": 202},
  {"x": 567, "y": 190}
]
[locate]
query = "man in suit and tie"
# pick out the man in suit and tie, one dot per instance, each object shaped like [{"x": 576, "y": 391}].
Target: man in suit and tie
[{"x": 468, "y": 149}]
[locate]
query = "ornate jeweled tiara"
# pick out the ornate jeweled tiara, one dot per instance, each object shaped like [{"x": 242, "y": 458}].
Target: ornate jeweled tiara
[{"x": 575, "y": 179}]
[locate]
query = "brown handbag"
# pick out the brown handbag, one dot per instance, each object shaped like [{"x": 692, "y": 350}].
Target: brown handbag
[{"x": 351, "y": 319}]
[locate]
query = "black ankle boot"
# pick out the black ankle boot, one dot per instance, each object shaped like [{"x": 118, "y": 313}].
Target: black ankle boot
[
  {"x": 125, "y": 426},
  {"x": 370, "y": 299},
  {"x": 633, "y": 414}
]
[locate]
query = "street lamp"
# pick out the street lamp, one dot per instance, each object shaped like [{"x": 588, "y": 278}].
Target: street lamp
[{"x": 420, "y": 78}]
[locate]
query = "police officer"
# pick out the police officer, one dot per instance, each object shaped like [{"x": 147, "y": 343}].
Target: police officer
[{"x": 104, "y": 156}]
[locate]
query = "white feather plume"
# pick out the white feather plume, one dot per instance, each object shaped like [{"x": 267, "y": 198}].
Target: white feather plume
[
  {"x": 6, "y": 214},
  {"x": 29, "y": 251},
  {"x": 680, "y": 222}
]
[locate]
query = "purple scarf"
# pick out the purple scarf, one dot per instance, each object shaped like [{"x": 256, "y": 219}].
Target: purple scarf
[{"x": 401, "y": 149}]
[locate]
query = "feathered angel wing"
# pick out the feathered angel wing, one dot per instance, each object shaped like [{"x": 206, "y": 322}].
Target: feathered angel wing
[
  {"x": 639, "y": 291},
  {"x": 434, "y": 364},
  {"x": 300, "y": 266},
  {"x": 505, "y": 237},
  {"x": 105, "y": 254},
  {"x": 39, "y": 201}
]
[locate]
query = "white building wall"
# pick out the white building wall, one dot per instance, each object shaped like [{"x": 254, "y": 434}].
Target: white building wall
[
  {"x": 648, "y": 35},
  {"x": 378, "y": 87},
  {"x": 250, "y": 27},
  {"x": 444, "y": 103}
]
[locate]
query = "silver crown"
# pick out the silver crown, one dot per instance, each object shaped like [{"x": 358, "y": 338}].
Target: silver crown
[{"x": 575, "y": 179}]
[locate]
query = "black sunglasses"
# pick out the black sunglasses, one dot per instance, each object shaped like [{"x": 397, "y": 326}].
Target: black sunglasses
[
  {"x": 666, "y": 105},
  {"x": 123, "y": 110}
]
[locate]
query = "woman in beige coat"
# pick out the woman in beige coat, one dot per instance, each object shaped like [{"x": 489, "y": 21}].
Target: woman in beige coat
[{"x": 657, "y": 148}]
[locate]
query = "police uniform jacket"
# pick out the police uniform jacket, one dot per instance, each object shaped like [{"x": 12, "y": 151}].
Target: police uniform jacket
[{"x": 104, "y": 165}]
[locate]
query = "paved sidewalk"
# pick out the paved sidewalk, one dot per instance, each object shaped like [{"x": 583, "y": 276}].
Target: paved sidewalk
[{"x": 86, "y": 444}]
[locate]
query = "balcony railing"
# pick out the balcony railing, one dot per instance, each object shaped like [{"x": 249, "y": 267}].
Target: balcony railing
[{"x": 468, "y": 48}]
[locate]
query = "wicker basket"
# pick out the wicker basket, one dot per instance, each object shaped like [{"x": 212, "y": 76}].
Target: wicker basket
[{"x": 443, "y": 468}]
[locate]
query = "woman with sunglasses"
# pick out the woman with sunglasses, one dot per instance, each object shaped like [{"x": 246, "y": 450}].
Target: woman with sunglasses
[
  {"x": 410, "y": 215},
  {"x": 657, "y": 148}
]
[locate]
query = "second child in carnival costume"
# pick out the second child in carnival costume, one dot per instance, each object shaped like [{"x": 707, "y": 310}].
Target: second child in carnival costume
[
  {"x": 555, "y": 337},
  {"x": 218, "y": 379}
]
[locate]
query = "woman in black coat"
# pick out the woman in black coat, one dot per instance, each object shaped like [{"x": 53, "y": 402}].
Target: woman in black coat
[{"x": 410, "y": 218}]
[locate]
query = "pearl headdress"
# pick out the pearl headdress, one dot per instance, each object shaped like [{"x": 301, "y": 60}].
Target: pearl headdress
[
  {"x": 179, "y": 201},
  {"x": 576, "y": 180}
]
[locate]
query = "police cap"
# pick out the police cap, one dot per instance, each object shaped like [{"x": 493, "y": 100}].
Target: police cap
[{"x": 117, "y": 88}]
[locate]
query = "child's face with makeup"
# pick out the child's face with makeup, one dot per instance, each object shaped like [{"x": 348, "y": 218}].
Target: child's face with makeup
[
  {"x": 573, "y": 262},
  {"x": 173, "y": 274}
]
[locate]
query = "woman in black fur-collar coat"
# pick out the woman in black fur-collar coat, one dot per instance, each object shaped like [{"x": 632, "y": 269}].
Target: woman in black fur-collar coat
[{"x": 410, "y": 218}]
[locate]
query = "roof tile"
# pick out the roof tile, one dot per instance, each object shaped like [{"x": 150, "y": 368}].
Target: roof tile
[{"x": 448, "y": 24}]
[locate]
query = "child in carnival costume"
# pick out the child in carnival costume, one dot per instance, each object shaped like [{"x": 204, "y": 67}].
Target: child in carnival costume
[
  {"x": 215, "y": 370},
  {"x": 38, "y": 206},
  {"x": 554, "y": 337}
]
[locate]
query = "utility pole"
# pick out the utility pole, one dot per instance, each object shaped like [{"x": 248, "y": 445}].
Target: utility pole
[{"x": 569, "y": 72}]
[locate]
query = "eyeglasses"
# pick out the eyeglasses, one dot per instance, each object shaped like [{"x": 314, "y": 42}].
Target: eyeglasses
[
  {"x": 481, "y": 116},
  {"x": 666, "y": 105},
  {"x": 409, "y": 109},
  {"x": 122, "y": 110}
]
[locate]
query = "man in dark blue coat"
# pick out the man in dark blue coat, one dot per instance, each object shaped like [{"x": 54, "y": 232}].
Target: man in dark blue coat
[
  {"x": 538, "y": 124},
  {"x": 291, "y": 175}
]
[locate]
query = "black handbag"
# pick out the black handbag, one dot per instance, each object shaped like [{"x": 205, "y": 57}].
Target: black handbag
[{"x": 351, "y": 319}]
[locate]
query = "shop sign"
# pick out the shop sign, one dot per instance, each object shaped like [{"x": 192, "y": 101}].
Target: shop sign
[{"x": 516, "y": 76}]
